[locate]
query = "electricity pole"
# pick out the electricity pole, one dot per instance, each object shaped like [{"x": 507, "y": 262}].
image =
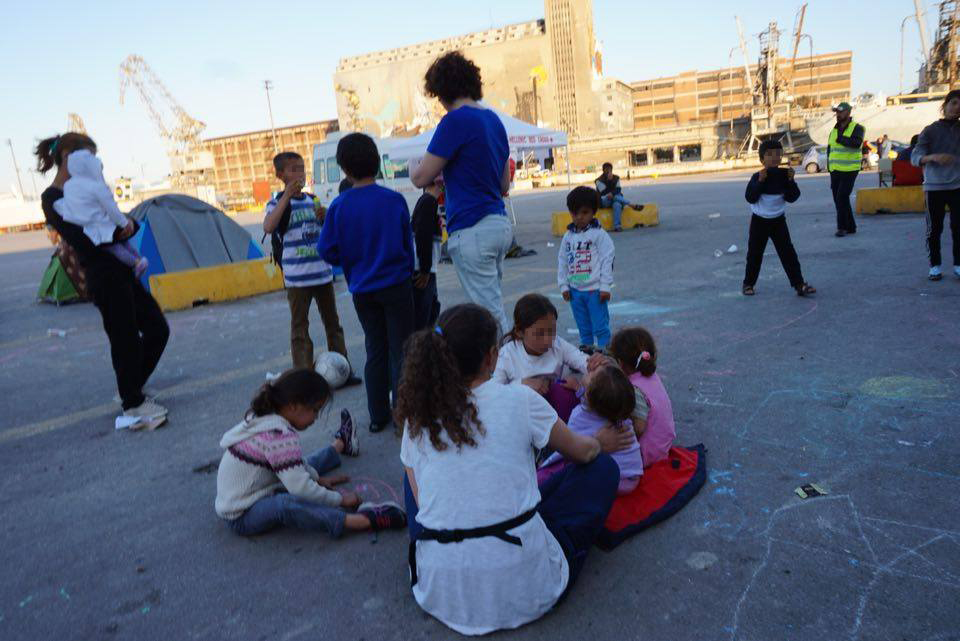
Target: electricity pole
[{"x": 267, "y": 85}]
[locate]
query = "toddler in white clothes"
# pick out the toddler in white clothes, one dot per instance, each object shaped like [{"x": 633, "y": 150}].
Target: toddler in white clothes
[{"x": 88, "y": 202}]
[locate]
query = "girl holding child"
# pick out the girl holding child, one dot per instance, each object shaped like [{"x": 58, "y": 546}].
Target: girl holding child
[
  {"x": 534, "y": 355},
  {"x": 468, "y": 452}
]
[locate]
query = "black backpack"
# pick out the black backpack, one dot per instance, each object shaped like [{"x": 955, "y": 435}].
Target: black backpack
[{"x": 276, "y": 237}]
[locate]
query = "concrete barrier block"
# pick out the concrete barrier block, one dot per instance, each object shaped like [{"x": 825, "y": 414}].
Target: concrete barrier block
[
  {"x": 649, "y": 216},
  {"x": 179, "y": 290},
  {"x": 890, "y": 200}
]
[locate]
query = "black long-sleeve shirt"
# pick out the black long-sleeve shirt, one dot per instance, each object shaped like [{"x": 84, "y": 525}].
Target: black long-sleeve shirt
[
  {"x": 426, "y": 229},
  {"x": 97, "y": 263},
  {"x": 767, "y": 198}
]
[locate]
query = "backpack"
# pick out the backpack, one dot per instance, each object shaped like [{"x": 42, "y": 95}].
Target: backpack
[{"x": 276, "y": 236}]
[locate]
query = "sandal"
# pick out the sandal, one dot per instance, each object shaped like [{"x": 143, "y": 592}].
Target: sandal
[
  {"x": 804, "y": 289},
  {"x": 747, "y": 290}
]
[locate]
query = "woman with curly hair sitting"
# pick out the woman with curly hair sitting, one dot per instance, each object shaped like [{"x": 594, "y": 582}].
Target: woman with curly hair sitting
[
  {"x": 468, "y": 452},
  {"x": 470, "y": 148}
]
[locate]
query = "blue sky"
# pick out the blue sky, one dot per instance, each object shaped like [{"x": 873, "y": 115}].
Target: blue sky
[{"x": 60, "y": 57}]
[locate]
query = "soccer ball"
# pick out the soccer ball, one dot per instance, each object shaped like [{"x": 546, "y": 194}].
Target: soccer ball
[{"x": 334, "y": 368}]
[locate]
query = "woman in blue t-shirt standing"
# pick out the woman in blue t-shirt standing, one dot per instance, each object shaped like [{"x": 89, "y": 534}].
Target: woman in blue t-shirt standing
[{"x": 470, "y": 148}]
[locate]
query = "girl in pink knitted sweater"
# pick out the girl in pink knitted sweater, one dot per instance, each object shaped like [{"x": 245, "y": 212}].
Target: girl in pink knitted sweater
[
  {"x": 264, "y": 481},
  {"x": 636, "y": 352}
]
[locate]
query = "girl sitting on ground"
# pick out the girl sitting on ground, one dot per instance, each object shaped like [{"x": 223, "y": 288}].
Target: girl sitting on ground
[
  {"x": 609, "y": 399},
  {"x": 534, "y": 355},
  {"x": 489, "y": 550},
  {"x": 264, "y": 482},
  {"x": 636, "y": 352}
]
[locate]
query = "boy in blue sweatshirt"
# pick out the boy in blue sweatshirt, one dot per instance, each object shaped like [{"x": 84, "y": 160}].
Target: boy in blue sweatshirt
[
  {"x": 768, "y": 192},
  {"x": 367, "y": 233}
]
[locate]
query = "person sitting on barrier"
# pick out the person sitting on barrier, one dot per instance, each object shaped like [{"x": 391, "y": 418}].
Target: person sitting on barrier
[
  {"x": 534, "y": 355},
  {"x": 489, "y": 549},
  {"x": 264, "y": 482},
  {"x": 611, "y": 195}
]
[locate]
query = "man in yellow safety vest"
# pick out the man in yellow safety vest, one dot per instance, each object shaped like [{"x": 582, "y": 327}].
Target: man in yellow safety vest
[{"x": 843, "y": 161}]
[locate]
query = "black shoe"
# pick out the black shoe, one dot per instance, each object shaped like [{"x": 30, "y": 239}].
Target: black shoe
[
  {"x": 617, "y": 228},
  {"x": 379, "y": 427},
  {"x": 637, "y": 207},
  {"x": 841, "y": 233},
  {"x": 383, "y": 516},
  {"x": 851, "y": 231},
  {"x": 352, "y": 380}
]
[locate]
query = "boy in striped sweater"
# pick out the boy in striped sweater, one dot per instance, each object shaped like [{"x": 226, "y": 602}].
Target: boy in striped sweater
[{"x": 306, "y": 276}]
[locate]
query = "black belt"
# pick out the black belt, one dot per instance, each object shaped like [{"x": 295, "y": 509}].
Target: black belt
[{"x": 498, "y": 530}]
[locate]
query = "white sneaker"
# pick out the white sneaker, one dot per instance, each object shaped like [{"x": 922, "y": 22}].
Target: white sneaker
[
  {"x": 956, "y": 271},
  {"x": 935, "y": 273},
  {"x": 151, "y": 414}
]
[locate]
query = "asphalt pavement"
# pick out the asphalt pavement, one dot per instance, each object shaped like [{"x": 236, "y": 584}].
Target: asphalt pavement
[{"x": 112, "y": 535}]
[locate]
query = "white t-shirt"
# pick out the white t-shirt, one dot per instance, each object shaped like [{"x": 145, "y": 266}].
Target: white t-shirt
[
  {"x": 486, "y": 584},
  {"x": 515, "y": 364}
]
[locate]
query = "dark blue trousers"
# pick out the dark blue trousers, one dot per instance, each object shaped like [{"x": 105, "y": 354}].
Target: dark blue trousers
[{"x": 573, "y": 504}]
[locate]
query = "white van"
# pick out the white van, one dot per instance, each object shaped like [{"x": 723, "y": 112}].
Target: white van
[{"x": 394, "y": 172}]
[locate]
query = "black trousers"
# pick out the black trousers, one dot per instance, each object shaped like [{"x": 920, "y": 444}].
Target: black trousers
[
  {"x": 841, "y": 184},
  {"x": 135, "y": 327},
  {"x": 386, "y": 316},
  {"x": 426, "y": 305},
  {"x": 937, "y": 202},
  {"x": 776, "y": 230}
]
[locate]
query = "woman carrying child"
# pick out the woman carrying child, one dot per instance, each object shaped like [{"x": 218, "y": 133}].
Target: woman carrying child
[
  {"x": 132, "y": 320},
  {"x": 489, "y": 550},
  {"x": 264, "y": 482},
  {"x": 636, "y": 353}
]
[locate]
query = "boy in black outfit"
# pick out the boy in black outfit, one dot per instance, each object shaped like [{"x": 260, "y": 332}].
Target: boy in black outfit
[
  {"x": 427, "y": 234},
  {"x": 768, "y": 192}
]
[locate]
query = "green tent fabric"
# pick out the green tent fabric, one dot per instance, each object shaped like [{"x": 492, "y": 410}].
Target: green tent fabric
[{"x": 55, "y": 286}]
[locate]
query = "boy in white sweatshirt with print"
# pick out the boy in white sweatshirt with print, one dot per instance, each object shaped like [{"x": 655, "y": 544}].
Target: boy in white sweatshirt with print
[{"x": 585, "y": 267}]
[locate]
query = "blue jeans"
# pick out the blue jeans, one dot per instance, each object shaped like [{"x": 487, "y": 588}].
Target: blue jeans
[
  {"x": 574, "y": 504},
  {"x": 617, "y": 202},
  {"x": 283, "y": 509},
  {"x": 592, "y": 316},
  {"x": 477, "y": 253}
]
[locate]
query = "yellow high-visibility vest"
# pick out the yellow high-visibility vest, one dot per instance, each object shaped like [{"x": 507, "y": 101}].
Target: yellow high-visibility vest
[{"x": 842, "y": 158}]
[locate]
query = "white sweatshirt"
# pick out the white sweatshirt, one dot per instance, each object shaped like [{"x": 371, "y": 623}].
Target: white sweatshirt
[
  {"x": 87, "y": 200},
  {"x": 585, "y": 259},
  {"x": 514, "y": 363}
]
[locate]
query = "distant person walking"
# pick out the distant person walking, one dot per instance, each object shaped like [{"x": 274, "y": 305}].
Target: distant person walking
[
  {"x": 843, "y": 162},
  {"x": 470, "y": 147},
  {"x": 938, "y": 152},
  {"x": 134, "y": 324}
]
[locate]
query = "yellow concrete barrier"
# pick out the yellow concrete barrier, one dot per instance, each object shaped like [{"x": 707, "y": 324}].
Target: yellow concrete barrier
[
  {"x": 649, "y": 216},
  {"x": 890, "y": 200},
  {"x": 179, "y": 290}
]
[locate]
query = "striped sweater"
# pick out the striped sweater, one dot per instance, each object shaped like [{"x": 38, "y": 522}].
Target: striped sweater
[{"x": 263, "y": 456}]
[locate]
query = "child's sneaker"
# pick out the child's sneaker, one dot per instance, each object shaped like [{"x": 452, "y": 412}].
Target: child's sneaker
[
  {"x": 956, "y": 271},
  {"x": 348, "y": 435},
  {"x": 383, "y": 516},
  {"x": 140, "y": 267},
  {"x": 935, "y": 273}
]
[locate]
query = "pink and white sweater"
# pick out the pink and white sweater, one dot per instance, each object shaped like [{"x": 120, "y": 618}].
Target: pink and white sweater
[{"x": 263, "y": 456}]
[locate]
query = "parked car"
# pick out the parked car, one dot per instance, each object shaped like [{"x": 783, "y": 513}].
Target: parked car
[{"x": 815, "y": 159}]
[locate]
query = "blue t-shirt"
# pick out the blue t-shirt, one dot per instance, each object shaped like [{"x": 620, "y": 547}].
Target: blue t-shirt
[
  {"x": 475, "y": 145},
  {"x": 367, "y": 232}
]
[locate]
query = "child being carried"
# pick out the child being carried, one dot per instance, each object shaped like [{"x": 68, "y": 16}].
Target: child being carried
[
  {"x": 609, "y": 399},
  {"x": 88, "y": 202}
]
